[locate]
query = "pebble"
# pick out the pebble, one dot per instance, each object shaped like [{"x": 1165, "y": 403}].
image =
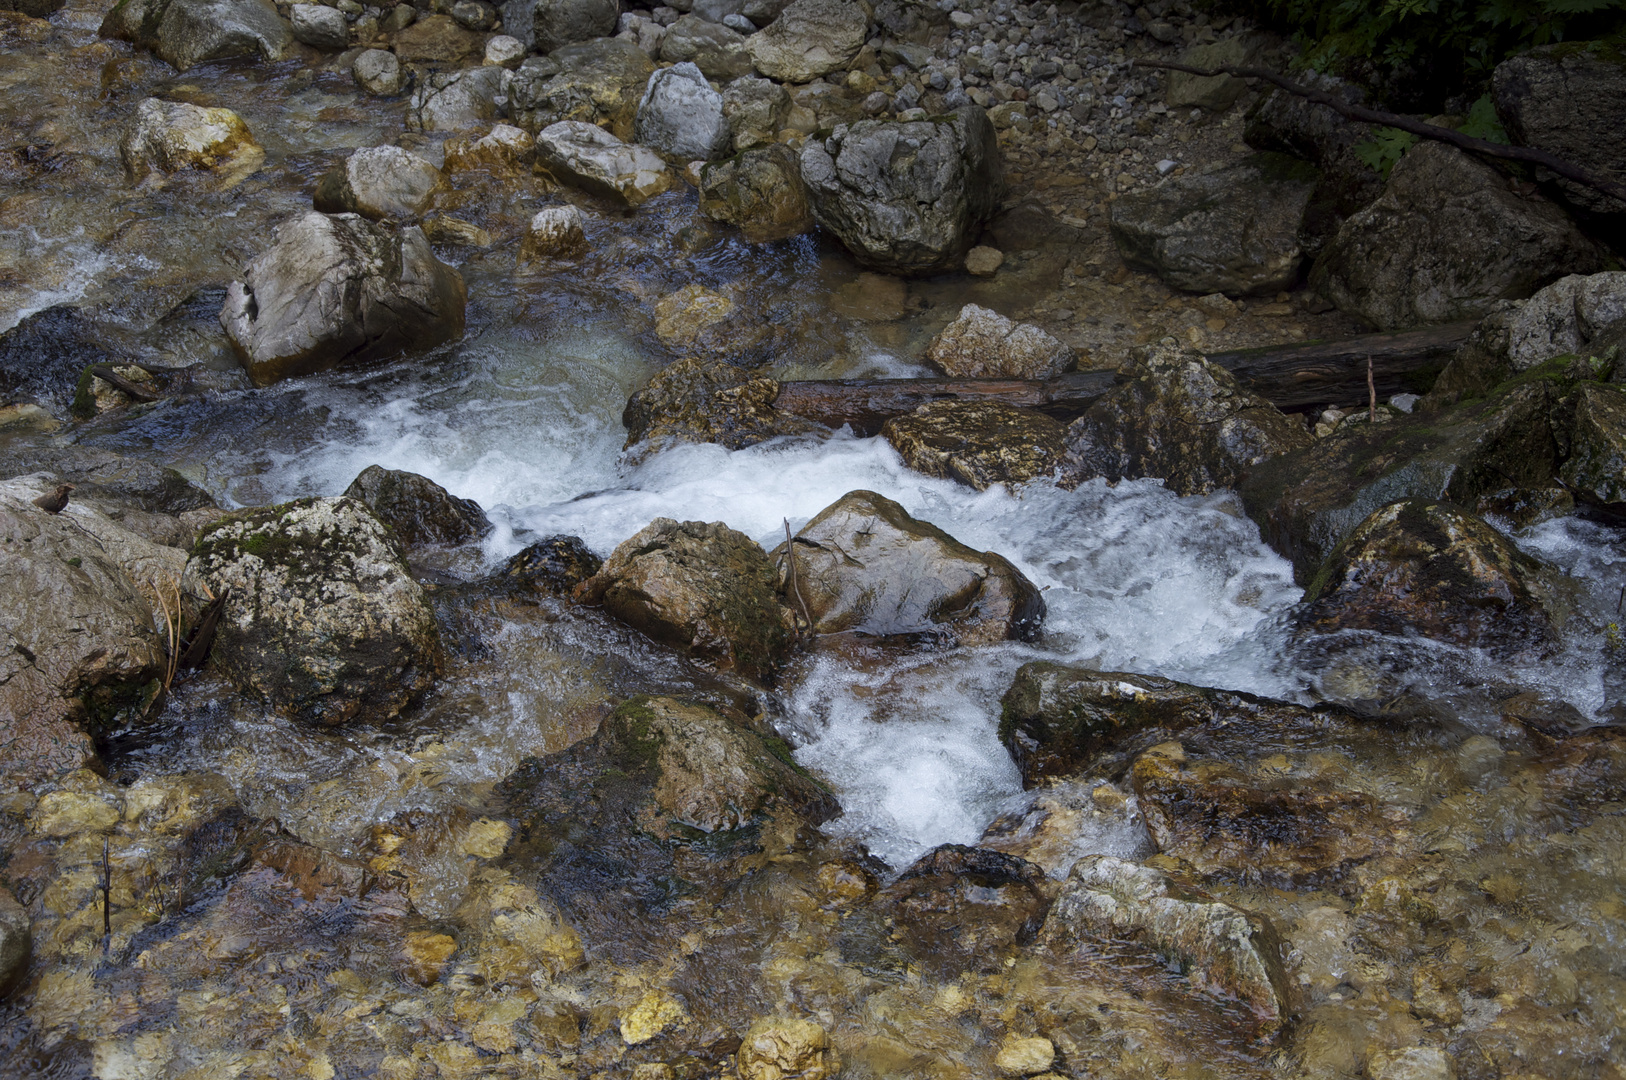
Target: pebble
[{"x": 982, "y": 261}]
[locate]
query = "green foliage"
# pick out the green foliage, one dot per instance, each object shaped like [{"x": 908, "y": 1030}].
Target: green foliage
[
  {"x": 1387, "y": 146},
  {"x": 1483, "y": 122}
]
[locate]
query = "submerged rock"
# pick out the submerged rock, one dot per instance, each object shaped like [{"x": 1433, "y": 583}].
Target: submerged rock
[
  {"x": 1234, "y": 230},
  {"x": 185, "y": 33},
  {"x": 906, "y": 196},
  {"x": 702, "y": 588},
  {"x": 777, "y": 1047},
  {"x": 169, "y": 136},
  {"x": 760, "y": 192},
  {"x": 863, "y": 565},
  {"x": 42, "y": 356},
  {"x": 418, "y": 510},
  {"x": 982, "y": 344},
  {"x": 681, "y": 116},
  {"x": 980, "y": 443},
  {"x": 324, "y": 620},
  {"x": 380, "y": 182},
  {"x": 593, "y": 159},
  {"x": 556, "y": 232},
  {"x": 958, "y": 903},
  {"x": 708, "y": 401},
  {"x": 809, "y": 39},
  {"x": 1179, "y": 418},
  {"x": 336, "y": 290},
  {"x": 597, "y": 82}
]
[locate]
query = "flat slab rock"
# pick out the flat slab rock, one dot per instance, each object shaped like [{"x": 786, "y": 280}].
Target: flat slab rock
[
  {"x": 978, "y": 443},
  {"x": 591, "y": 158}
]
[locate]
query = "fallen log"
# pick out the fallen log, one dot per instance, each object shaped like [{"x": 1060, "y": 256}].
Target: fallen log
[{"x": 1293, "y": 377}]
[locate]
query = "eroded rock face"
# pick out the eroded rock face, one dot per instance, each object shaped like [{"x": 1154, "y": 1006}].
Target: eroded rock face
[
  {"x": 596, "y": 82},
  {"x": 1234, "y": 230},
  {"x": 341, "y": 289},
  {"x": 457, "y": 100},
  {"x": 168, "y": 136},
  {"x": 1565, "y": 317},
  {"x": 760, "y": 192},
  {"x": 1445, "y": 241},
  {"x": 681, "y": 116},
  {"x": 380, "y": 182},
  {"x": 979, "y": 443},
  {"x": 325, "y": 620},
  {"x": 418, "y": 510},
  {"x": 707, "y": 401},
  {"x": 983, "y": 344},
  {"x": 905, "y": 196},
  {"x": 185, "y": 33},
  {"x": 1181, "y": 419},
  {"x": 1595, "y": 468},
  {"x": 1428, "y": 568},
  {"x": 1568, "y": 99},
  {"x": 863, "y": 565},
  {"x": 711, "y": 773},
  {"x": 703, "y": 588},
  {"x": 545, "y": 25},
  {"x": 957, "y": 902},
  {"x": 810, "y": 38},
  {"x": 593, "y": 159},
  {"x": 1221, "y": 949}
]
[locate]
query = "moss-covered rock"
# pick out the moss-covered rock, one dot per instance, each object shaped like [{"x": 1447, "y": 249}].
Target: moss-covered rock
[{"x": 979, "y": 443}]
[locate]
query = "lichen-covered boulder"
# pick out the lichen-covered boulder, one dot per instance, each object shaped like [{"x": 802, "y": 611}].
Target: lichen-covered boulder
[
  {"x": 1569, "y": 99},
  {"x": 1445, "y": 242},
  {"x": 596, "y": 82},
  {"x": 418, "y": 510},
  {"x": 595, "y": 160},
  {"x": 340, "y": 290},
  {"x": 185, "y": 33},
  {"x": 324, "y": 620},
  {"x": 707, "y": 401},
  {"x": 983, "y": 344},
  {"x": 864, "y": 565},
  {"x": 1233, "y": 230},
  {"x": 1183, "y": 420},
  {"x": 379, "y": 182},
  {"x": 681, "y": 116},
  {"x": 545, "y": 25},
  {"x": 1594, "y": 418},
  {"x": 703, "y": 588},
  {"x": 906, "y": 196},
  {"x": 809, "y": 39},
  {"x": 760, "y": 192},
  {"x": 979, "y": 443},
  {"x": 168, "y": 136}
]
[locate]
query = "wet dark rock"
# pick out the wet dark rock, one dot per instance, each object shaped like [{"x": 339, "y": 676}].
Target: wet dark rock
[
  {"x": 810, "y": 38},
  {"x": 864, "y": 566},
  {"x": 379, "y": 182},
  {"x": 708, "y": 401},
  {"x": 1594, "y": 423},
  {"x": 702, "y": 588},
  {"x": 185, "y": 33},
  {"x": 1177, "y": 417},
  {"x": 340, "y": 290},
  {"x": 597, "y": 82},
  {"x": 1428, "y": 568},
  {"x": 906, "y": 196},
  {"x": 958, "y": 903},
  {"x": 1233, "y": 230},
  {"x": 104, "y": 476},
  {"x": 324, "y": 620},
  {"x": 760, "y": 192},
  {"x": 556, "y": 564},
  {"x": 16, "y": 940},
  {"x": 545, "y": 25},
  {"x": 1569, "y": 99},
  {"x": 41, "y": 357},
  {"x": 1445, "y": 241},
  {"x": 1479, "y": 365},
  {"x": 719, "y": 52},
  {"x": 1222, "y": 950},
  {"x": 418, "y": 510},
  {"x": 437, "y": 40},
  {"x": 978, "y": 443},
  {"x": 681, "y": 116},
  {"x": 982, "y": 344},
  {"x": 1545, "y": 715}
]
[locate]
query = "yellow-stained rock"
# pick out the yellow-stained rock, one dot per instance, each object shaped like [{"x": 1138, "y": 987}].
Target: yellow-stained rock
[
  {"x": 656, "y": 1011},
  {"x": 425, "y": 953},
  {"x": 681, "y": 316},
  {"x": 1025, "y": 1057},
  {"x": 782, "y": 1048}
]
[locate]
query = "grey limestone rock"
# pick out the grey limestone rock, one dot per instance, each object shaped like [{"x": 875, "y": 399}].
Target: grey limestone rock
[
  {"x": 186, "y": 33},
  {"x": 379, "y": 182},
  {"x": 320, "y": 26},
  {"x": 810, "y": 38},
  {"x": 681, "y": 116}
]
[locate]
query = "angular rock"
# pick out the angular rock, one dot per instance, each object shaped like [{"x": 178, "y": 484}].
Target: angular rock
[
  {"x": 719, "y": 52},
  {"x": 982, "y": 344},
  {"x": 336, "y": 290},
  {"x": 707, "y": 401},
  {"x": 325, "y": 621},
  {"x": 556, "y": 232},
  {"x": 906, "y": 196},
  {"x": 756, "y": 110},
  {"x": 457, "y": 100},
  {"x": 437, "y": 40},
  {"x": 320, "y": 27},
  {"x": 810, "y": 38},
  {"x": 380, "y": 182},
  {"x": 1291, "y": 124},
  {"x": 681, "y": 116},
  {"x": 776, "y": 1047},
  {"x": 504, "y": 151},
  {"x": 185, "y": 33},
  {"x": 702, "y": 588},
  {"x": 16, "y": 940},
  {"x": 1569, "y": 99},
  {"x": 168, "y": 136},
  {"x": 504, "y": 51},
  {"x": 1427, "y": 568},
  {"x": 1218, "y": 92},
  {"x": 597, "y": 82},
  {"x": 759, "y": 192},
  {"x": 957, "y": 903},
  {"x": 1445, "y": 241},
  {"x": 979, "y": 443},
  {"x": 864, "y": 566},
  {"x": 1181, "y": 419},
  {"x": 1233, "y": 230},
  {"x": 377, "y": 72},
  {"x": 555, "y": 564},
  {"x": 712, "y": 773},
  {"x": 545, "y": 25},
  {"x": 1565, "y": 317},
  {"x": 416, "y": 509},
  {"x": 593, "y": 159},
  {"x": 1594, "y": 468},
  {"x": 1222, "y": 949}
]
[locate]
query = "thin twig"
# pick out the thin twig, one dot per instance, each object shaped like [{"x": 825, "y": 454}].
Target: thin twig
[
  {"x": 1526, "y": 154},
  {"x": 795, "y": 587},
  {"x": 107, "y": 907},
  {"x": 1371, "y": 395}
]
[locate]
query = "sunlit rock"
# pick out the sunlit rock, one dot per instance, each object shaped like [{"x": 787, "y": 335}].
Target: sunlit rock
[
  {"x": 169, "y": 136},
  {"x": 379, "y": 182},
  {"x": 756, "y": 110},
  {"x": 416, "y": 509},
  {"x": 593, "y": 159},
  {"x": 377, "y": 71},
  {"x": 979, "y": 443},
  {"x": 320, "y": 26},
  {"x": 982, "y": 344},
  {"x": 809, "y": 39},
  {"x": 458, "y": 100}
]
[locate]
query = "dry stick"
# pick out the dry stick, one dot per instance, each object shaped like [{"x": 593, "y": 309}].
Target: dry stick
[
  {"x": 1337, "y": 104},
  {"x": 1371, "y": 395},
  {"x": 790, "y": 563},
  {"x": 107, "y": 909}
]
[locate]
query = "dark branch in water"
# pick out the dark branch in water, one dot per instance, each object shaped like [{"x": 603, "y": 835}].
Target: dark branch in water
[
  {"x": 1526, "y": 154},
  {"x": 107, "y": 907}
]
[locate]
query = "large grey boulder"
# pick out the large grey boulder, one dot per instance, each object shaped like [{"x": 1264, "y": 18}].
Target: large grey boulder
[
  {"x": 1570, "y": 100},
  {"x": 681, "y": 116},
  {"x": 185, "y": 33},
  {"x": 379, "y": 182},
  {"x": 1564, "y": 317},
  {"x": 324, "y": 620},
  {"x": 756, "y": 110},
  {"x": 458, "y": 100},
  {"x": 1233, "y": 230},
  {"x": 760, "y": 192},
  {"x": 715, "y": 49},
  {"x": 545, "y": 25},
  {"x": 810, "y": 38},
  {"x": 320, "y": 26},
  {"x": 168, "y": 136},
  {"x": 591, "y": 158},
  {"x": 596, "y": 82},
  {"x": 1445, "y": 242},
  {"x": 340, "y": 289},
  {"x": 905, "y": 196}
]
